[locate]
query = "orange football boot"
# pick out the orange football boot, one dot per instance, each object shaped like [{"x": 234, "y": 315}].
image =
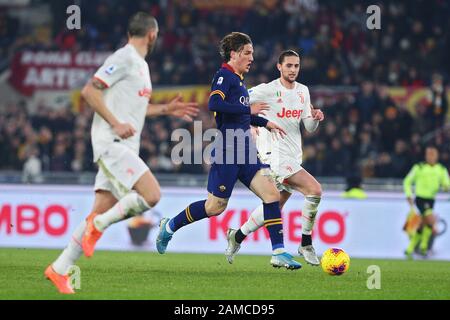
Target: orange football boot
[
  {"x": 62, "y": 283},
  {"x": 90, "y": 236}
]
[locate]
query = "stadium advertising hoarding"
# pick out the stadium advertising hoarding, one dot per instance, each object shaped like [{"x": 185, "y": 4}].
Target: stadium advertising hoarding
[
  {"x": 53, "y": 70},
  {"x": 45, "y": 216}
]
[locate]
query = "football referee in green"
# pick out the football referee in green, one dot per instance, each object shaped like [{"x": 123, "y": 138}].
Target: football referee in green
[{"x": 427, "y": 177}]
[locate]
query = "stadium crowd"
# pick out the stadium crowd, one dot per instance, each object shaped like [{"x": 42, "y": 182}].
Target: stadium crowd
[
  {"x": 368, "y": 131},
  {"x": 333, "y": 38}
]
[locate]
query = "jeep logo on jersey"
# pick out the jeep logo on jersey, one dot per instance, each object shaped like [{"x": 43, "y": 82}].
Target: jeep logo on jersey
[
  {"x": 287, "y": 113},
  {"x": 244, "y": 100}
]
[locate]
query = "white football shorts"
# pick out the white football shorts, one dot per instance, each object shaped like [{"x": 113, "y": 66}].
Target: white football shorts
[
  {"x": 119, "y": 170},
  {"x": 282, "y": 169}
]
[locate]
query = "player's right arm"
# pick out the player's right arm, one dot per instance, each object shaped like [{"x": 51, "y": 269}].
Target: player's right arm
[
  {"x": 93, "y": 94},
  {"x": 113, "y": 70},
  {"x": 311, "y": 117},
  {"x": 408, "y": 182}
]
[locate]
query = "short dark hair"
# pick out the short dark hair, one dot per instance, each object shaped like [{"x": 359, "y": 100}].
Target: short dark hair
[
  {"x": 140, "y": 24},
  {"x": 287, "y": 53},
  {"x": 234, "y": 41}
]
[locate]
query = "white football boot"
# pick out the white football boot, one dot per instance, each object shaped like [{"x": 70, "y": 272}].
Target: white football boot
[
  {"x": 233, "y": 246},
  {"x": 309, "y": 254}
]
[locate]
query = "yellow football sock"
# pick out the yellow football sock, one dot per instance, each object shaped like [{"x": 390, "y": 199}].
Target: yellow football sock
[
  {"x": 415, "y": 238},
  {"x": 425, "y": 239}
]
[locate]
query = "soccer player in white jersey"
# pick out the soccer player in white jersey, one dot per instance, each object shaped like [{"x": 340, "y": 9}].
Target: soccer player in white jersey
[
  {"x": 124, "y": 186},
  {"x": 290, "y": 104}
]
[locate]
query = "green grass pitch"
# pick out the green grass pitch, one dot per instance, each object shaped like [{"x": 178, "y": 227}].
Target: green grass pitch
[{"x": 141, "y": 275}]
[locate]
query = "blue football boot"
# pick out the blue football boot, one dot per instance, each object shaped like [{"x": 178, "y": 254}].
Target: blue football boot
[
  {"x": 163, "y": 236},
  {"x": 284, "y": 260}
]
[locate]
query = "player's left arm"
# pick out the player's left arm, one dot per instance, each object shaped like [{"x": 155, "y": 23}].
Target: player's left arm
[
  {"x": 311, "y": 117},
  {"x": 176, "y": 108}
]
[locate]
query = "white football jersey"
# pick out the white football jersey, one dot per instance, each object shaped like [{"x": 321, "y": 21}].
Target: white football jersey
[
  {"x": 127, "y": 77},
  {"x": 288, "y": 107}
]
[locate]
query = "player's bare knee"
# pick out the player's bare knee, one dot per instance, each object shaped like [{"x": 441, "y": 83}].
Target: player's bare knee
[
  {"x": 271, "y": 196},
  {"x": 315, "y": 190},
  {"x": 213, "y": 208},
  {"x": 215, "y": 211},
  {"x": 152, "y": 198}
]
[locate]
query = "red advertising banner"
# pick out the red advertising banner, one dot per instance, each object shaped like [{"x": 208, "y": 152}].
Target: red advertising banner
[{"x": 54, "y": 70}]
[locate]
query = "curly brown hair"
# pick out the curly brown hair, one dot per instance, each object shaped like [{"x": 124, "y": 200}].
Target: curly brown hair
[{"x": 234, "y": 41}]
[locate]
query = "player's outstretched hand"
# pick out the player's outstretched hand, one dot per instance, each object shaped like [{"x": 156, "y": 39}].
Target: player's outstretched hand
[
  {"x": 124, "y": 130},
  {"x": 184, "y": 110},
  {"x": 317, "y": 114},
  {"x": 275, "y": 130},
  {"x": 258, "y": 108}
]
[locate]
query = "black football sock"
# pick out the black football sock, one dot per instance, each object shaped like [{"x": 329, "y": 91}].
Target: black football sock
[
  {"x": 306, "y": 240},
  {"x": 239, "y": 236}
]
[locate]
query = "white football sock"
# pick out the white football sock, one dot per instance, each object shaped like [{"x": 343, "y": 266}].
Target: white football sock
[
  {"x": 279, "y": 251},
  {"x": 168, "y": 228},
  {"x": 72, "y": 252},
  {"x": 130, "y": 205},
  {"x": 254, "y": 222},
  {"x": 309, "y": 213}
]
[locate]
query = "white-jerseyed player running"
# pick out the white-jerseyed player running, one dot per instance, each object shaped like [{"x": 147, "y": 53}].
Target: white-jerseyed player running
[
  {"x": 290, "y": 104},
  {"x": 124, "y": 186}
]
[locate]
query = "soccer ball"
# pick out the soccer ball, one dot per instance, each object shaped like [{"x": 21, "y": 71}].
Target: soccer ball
[{"x": 335, "y": 261}]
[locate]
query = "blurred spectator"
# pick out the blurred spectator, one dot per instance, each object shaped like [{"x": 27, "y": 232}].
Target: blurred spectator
[
  {"x": 60, "y": 160},
  {"x": 32, "y": 168},
  {"x": 78, "y": 163},
  {"x": 438, "y": 107},
  {"x": 401, "y": 159},
  {"x": 383, "y": 166},
  {"x": 336, "y": 159},
  {"x": 354, "y": 189},
  {"x": 367, "y": 101}
]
